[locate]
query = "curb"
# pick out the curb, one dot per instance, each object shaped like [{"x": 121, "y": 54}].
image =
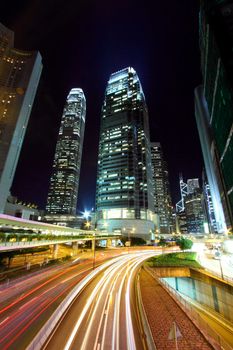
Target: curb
[{"x": 144, "y": 320}]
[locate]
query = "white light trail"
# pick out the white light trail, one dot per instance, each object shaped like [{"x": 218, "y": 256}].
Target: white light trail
[{"x": 109, "y": 288}]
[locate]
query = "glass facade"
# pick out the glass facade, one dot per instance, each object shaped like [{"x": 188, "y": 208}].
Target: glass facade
[
  {"x": 19, "y": 77},
  {"x": 124, "y": 182},
  {"x": 162, "y": 196},
  {"x": 63, "y": 191},
  {"x": 211, "y": 161},
  {"x": 194, "y": 211},
  {"x": 216, "y": 38},
  {"x": 208, "y": 204}
]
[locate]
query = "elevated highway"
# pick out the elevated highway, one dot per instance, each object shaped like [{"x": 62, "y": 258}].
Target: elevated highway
[{"x": 17, "y": 233}]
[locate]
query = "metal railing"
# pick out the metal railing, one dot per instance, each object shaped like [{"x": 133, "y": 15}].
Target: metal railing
[
  {"x": 213, "y": 337},
  {"x": 221, "y": 276},
  {"x": 24, "y": 244}
]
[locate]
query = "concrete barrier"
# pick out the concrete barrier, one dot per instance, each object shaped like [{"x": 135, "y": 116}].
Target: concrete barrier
[{"x": 145, "y": 324}]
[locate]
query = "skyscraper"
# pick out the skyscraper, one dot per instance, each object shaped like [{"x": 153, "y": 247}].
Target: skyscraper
[
  {"x": 208, "y": 205},
  {"x": 162, "y": 196},
  {"x": 19, "y": 77},
  {"x": 190, "y": 209},
  {"x": 192, "y": 185},
  {"x": 124, "y": 197},
  {"x": 214, "y": 105},
  {"x": 194, "y": 211},
  {"x": 64, "y": 183}
]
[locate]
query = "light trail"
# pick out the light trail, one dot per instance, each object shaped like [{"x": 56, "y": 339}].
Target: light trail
[
  {"x": 89, "y": 301},
  {"x": 26, "y": 315},
  {"x": 42, "y": 307},
  {"x": 130, "y": 332},
  {"x": 106, "y": 298},
  {"x": 35, "y": 289}
]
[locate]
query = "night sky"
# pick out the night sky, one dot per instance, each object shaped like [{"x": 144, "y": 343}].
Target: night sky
[{"x": 82, "y": 42}]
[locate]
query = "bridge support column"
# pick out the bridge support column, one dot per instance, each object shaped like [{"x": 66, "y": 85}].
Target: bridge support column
[
  {"x": 93, "y": 242},
  {"x": 93, "y": 245},
  {"x": 55, "y": 251},
  {"x": 75, "y": 248},
  {"x": 109, "y": 243}
]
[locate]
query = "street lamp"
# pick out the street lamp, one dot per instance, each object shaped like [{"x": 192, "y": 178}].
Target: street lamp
[
  {"x": 220, "y": 263},
  {"x": 86, "y": 214},
  {"x": 129, "y": 240},
  {"x": 87, "y": 225},
  {"x": 93, "y": 247}
]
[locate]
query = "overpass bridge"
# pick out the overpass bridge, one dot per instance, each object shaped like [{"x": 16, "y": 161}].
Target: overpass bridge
[{"x": 17, "y": 233}]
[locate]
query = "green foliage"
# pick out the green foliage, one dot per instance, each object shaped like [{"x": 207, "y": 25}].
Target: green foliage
[
  {"x": 162, "y": 242},
  {"x": 66, "y": 258},
  {"x": 185, "y": 259},
  {"x": 185, "y": 255},
  {"x": 134, "y": 240},
  {"x": 184, "y": 243}
]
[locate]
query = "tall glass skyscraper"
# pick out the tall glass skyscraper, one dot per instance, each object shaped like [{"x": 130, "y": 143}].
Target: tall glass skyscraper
[
  {"x": 124, "y": 198},
  {"x": 19, "y": 77},
  {"x": 214, "y": 105},
  {"x": 63, "y": 191},
  {"x": 162, "y": 195}
]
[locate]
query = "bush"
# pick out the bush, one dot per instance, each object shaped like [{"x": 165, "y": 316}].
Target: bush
[
  {"x": 162, "y": 242},
  {"x": 134, "y": 240},
  {"x": 186, "y": 259},
  {"x": 184, "y": 243},
  {"x": 66, "y": 258}
]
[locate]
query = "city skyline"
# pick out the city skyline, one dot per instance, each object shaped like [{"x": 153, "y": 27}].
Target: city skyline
[{"x": 161, "y": 77}]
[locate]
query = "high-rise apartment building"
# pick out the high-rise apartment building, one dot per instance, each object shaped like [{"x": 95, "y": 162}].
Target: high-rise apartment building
[
  {"x": 64, "y": 183},
  {"x": 162, "y": 196},
  {"x": 19, "y": 77},
  {"x": 214, "y": 105},
  {"x": 124, "y": 197}
]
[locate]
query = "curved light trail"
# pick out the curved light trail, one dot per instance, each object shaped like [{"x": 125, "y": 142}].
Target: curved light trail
[
  {"x": 23, "y": 313},
  {"x": 103, "y": 318}
]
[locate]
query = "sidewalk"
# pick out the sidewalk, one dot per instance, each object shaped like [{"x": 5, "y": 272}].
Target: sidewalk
[{"x": 162, "y": 311}]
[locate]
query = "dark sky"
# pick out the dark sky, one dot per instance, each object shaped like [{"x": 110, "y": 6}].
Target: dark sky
[{"x": 82, "y": 42}]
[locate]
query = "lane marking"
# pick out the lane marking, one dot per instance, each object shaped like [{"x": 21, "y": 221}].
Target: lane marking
[{"x": 4, "y": 320}]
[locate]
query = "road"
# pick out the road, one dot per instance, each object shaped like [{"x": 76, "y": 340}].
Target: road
[
  {"x": 27, "y": 304},
  {"x": 222, "y": 267},
  {"x": 104, "y": 315}
]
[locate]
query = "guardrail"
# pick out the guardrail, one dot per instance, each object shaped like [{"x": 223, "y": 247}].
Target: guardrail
[
  {"x": 145, "y": 323},
  {"x": 4, "y": 246},
  {"x": 27, "y": 244},
  {"x": 220, "y": 276},
  {"x": 212, "y": 337}
]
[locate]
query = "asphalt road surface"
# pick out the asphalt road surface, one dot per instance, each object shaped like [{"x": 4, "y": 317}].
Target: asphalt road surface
[{"x": 104, "y": 316}]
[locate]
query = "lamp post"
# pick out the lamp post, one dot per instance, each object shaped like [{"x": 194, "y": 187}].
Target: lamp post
[
  {"x": 93, "y": 248},
  {"x": 87, "y": 225},
  {"x": 220, "y": 263},
  {"x": 129, "y": 240}
]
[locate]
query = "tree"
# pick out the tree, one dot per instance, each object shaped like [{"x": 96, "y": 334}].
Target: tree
[
  {"x": 133, "y": 240},
  {"x": 184, "y": 243},
  {"x": 162, "y": 242}
]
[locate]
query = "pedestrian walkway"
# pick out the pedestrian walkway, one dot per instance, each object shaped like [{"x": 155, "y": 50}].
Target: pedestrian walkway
[{"x": 162, "y": 311}]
